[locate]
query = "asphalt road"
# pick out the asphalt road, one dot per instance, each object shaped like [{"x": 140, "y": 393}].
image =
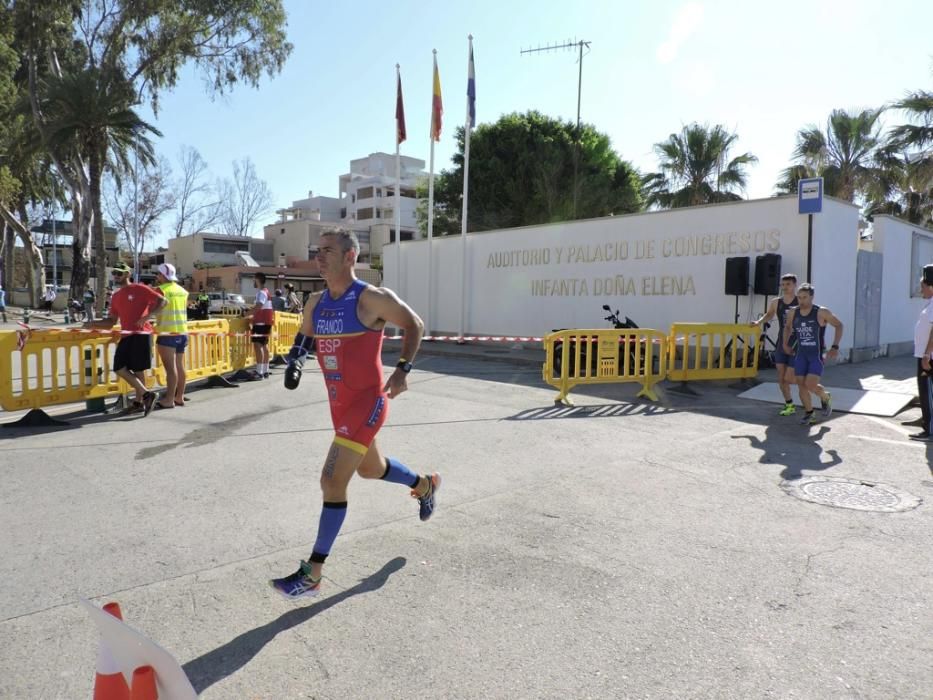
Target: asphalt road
[{"x": 619, "y": 550}]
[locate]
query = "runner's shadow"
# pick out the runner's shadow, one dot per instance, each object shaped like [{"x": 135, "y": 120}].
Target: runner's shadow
[
  {"x": 217, "y": 664},
  {"x": 794, "y": 449}
]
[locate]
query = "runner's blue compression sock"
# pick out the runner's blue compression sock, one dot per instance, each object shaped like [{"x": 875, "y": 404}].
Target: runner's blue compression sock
[
  {"x": 332, "y": 515},
  {"x": 398, "y": 473}
]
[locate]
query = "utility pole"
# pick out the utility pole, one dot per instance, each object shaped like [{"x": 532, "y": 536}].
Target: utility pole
[{"x": 567, "y": 45}]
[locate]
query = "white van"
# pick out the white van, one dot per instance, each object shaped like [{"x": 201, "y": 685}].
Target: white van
[{"x": 224, "y": 300}]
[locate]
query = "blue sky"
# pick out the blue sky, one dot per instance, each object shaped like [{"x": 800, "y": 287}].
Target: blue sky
[{"x": 760, "y": 69}]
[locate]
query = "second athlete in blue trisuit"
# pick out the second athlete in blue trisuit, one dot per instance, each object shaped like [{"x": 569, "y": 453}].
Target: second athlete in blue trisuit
[{"x": 808, "y": 323}]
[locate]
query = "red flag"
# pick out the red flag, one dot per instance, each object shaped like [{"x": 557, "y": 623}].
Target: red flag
[
  {"x": 400, "y": 134},
  {"x": 437, "y": 105}
]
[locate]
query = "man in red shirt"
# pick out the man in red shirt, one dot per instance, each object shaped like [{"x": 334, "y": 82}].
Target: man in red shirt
[{"x": 132, "y": 304}]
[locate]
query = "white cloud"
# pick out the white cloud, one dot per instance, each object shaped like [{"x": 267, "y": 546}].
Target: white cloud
[{"x": 687, "y": 21}]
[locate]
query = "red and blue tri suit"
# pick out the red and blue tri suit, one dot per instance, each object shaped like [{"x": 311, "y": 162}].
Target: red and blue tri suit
[{"x": 350, "y": 356}]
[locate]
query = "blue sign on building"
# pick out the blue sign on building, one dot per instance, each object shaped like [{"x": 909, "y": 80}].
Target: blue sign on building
[{"x": 810, "y": 195}]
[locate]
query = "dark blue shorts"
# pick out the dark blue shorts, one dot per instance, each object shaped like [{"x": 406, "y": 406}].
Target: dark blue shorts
[
  {"x": 179, "y": 342},
  {"x": 807, "y": 363},
  {"x": 781, "y": 357}
]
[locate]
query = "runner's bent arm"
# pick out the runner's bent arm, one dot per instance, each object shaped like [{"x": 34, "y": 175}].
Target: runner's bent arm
[
  {"x": 830, "y": 319},
  {"x": 386, "y": 305},
  {"x": 769, "y": 314}
]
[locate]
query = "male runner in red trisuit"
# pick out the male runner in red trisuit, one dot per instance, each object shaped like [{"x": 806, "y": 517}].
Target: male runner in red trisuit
[{"x": 345, "y": 323}]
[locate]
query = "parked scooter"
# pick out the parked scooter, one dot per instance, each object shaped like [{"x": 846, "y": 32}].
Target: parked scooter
[
  {"x": 78, "y": 312},
  {"x": 624, "y": 346}
]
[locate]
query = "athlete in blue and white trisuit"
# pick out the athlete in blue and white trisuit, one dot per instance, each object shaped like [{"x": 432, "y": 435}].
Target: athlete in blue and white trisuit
[
  {"x": 783, "y": 362},
  {"x": 808, "y": 322}
]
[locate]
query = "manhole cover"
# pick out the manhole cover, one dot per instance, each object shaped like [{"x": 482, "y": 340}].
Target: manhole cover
[{"x": 851, "y": 493}]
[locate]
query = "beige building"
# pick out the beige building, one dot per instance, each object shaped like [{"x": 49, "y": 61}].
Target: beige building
[
  {"x": 188, "y": 253},
  {"x": 300, "y": 226}
]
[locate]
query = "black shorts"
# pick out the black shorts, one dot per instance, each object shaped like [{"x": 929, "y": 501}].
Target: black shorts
[
  {"x": 261, "y": 333},
  {"x": 134, "y": 352}
]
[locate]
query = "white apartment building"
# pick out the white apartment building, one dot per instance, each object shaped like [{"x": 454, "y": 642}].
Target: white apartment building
[
  {"x": 368, "y": 191},
  {"x": 366, "y": 205}
]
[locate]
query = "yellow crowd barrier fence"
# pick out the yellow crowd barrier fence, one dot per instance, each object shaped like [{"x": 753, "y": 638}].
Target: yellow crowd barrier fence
[
  {"x": 604, "y": 356},
  {"x": 712, "y": 351},
  {"x": 689, "y": 352},
  {"x": 47, "y": 367}
]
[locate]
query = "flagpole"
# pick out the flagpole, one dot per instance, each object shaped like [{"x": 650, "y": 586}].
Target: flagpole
[
  {"x": 466, "y": 188},
  {"x": 431, "y": 206},
  {"x": 398, "y": 194}
]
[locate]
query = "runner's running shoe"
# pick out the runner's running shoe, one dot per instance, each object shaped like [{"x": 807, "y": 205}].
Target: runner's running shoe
[
  {"x": 808, "y": 418},
  {"x": 427, "y": 502},
  {"x": 826, "y": 407},
  {"x": 788, "y": 410},
  {"x": 297, "y": 585}
]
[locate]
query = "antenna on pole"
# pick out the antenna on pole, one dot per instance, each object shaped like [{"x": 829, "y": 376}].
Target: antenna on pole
[{"x": 569, "y": 45}]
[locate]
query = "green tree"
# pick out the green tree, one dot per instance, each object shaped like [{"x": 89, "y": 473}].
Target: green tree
[
  {"x": 521, "y": 173},
  {"x": 905, "y": 185},
  {"x": 695, "y": 168},
  {"x": 847, "y": 155},
  {"x": 88, "y": 113},
  {"x": 143, "y": 45}
]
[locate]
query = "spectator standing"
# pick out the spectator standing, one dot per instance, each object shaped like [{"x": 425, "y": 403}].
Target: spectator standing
[
  {"x": 278, "y": 301},
  {"x": 923, "y": 347},
  {"x": 3, "y": 303},
  {"x": 89, "y": 300},
  {"x": 292, "y": 303},
  {"x": 172, "y": 325},
  {"x": 132, "y": 305},
  {"x": 49, "y": 297},
  {"x": 262, "y": 318}
]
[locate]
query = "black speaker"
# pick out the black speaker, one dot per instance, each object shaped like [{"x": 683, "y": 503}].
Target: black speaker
[
  {"x": 768, "y": 274},
  {"x": 737, "y": 276}
]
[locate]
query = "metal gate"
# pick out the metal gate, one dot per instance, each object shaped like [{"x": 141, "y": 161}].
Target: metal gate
[{"x": 867, "y": 332}]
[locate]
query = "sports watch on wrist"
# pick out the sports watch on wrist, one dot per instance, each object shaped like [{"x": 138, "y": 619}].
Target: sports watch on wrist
[
  {"x": 403, "y": 365},
  {"x": 834, "y": 347}
]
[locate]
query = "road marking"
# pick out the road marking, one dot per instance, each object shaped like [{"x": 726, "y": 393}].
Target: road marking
[
  {"x": 890, "y": 442},
  {"x": 888, "y": 424}
]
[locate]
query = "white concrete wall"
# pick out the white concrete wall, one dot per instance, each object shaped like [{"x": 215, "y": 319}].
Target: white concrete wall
[
  {"x": 526, "y": 281},
  {"x": 893, "y": 238}
]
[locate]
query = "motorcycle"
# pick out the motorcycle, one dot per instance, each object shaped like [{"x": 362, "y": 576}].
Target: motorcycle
[
  {"x": 636, "y": 358},
  {"x": 78, "y": 312}
]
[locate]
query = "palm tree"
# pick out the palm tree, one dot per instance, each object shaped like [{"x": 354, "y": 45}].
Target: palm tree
[
  {"x": 846, "y": 155},
  {"x": 90, "y": 114},
  {"x": 906, "y": 187},
  {"x": 695, "y": 168},
  {"x": 916, "y": 136}
]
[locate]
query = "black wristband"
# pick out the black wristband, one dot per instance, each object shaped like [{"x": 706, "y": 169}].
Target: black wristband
[
  {"x": 834, "y": 347},
  {"x": 404, "y": 365}
]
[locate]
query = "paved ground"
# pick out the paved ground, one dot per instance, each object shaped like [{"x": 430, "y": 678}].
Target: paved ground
[{"x": 646, "y": 552}]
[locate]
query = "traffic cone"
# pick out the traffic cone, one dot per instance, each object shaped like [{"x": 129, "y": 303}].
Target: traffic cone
[
  {"x": 109, "y": 683},
  {"x": 144, "y": 684}
]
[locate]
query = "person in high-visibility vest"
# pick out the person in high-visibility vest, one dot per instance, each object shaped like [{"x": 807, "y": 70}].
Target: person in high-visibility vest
[{"x": 172, "y": 327}]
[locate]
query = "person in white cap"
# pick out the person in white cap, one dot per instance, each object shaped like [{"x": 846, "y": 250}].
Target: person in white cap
[{"x": 172, "y": 329}]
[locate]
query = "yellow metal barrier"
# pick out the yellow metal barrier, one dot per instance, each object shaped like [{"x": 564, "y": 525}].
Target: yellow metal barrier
[
  {"x": 55, "y": 367},
  {"x": 712, "y": 351},
  {"x": 283, "y": 332},
  {"x": 207, "y": 353},
  {"x": 233, "y": 312},
  {"x": 605, "y": 356},
  {"x": 68, "y": 366},
  {"x": 241, "y": 353}
]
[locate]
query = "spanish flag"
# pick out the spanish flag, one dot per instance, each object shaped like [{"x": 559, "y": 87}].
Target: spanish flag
[{"x": 437, "y": 106}]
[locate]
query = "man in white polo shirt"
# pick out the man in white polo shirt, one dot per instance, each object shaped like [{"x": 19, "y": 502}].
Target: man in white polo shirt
[{"x": 923, "y": 347}]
